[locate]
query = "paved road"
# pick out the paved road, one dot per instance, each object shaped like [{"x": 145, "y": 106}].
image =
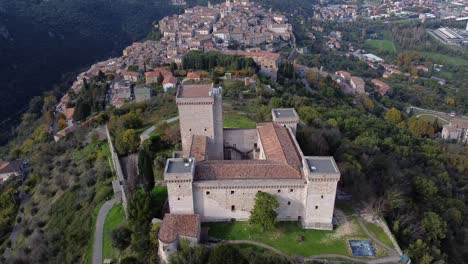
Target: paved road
[
  {"x": 98, "y": 233},
  {"x": 145, "y": 135}
]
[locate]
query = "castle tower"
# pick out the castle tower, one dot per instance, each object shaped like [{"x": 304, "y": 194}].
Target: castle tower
[
  {"x": 322, "y": 176},
  {"x": 178, "y": 176},
  {"x": 286, "y": 117},
  {"x": 201, "y": 113}
]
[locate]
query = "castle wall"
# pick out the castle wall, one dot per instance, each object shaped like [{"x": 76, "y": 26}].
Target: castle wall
[
  {"x": 214, "y": 200},
  {"x": 217, "y": 149},
  {"x": 180, "y": 195},
  {"x": 320, "y": 202},
  {"x": 195, "y": 120}
]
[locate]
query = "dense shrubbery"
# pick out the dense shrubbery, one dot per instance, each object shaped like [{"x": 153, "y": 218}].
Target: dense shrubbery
[{"x": 196, "y": 60}]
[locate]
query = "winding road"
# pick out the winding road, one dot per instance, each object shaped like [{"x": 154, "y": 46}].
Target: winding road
[
  {"x": 98, "y": 232},
  {"x": 145, "y": 135}
]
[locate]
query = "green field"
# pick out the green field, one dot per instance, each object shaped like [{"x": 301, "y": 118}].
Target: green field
[
  {"x": 378, "y": 232},
  {"x": 431, "y": 118},
  {"x": 115, "y": 218},
  {"x": 381, "y": 45},
  {"x": 444, "y": 59},
  {"x": 238, "y": 121}
]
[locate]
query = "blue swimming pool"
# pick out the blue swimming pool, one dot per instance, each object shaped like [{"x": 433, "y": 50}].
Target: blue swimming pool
[{"x": 362, "y": 248}]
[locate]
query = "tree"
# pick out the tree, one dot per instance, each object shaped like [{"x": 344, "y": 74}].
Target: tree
[
  {"x": 121, "y": 237},
  {"x": 263, "y": 214},
  {"x": 225, "y": 254},
  {"x": 188, "y": 254},
  {"x": 393, "y": 115},
  {"x": 130, "y": 260},
  {"x": 308, "y": 114},
  {"x": 434, "y": 226},
  {"x": 145, "y": 168},
  {"x": 127, "y": 141},
  {"x": 419, "y": 252}
]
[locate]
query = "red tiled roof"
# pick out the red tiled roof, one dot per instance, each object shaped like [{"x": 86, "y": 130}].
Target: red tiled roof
[
  {"x": 383, "y": 87},
  {"x": 69, "y": 112},
  {"x": 10, "y": 167},
  {"x": 170, "y": 79},
  {"x": 193, "y": 75},
  {"x": 198, "y": 147},
  {"x": 278, "y": 145},
  {"x": 244, "y": 169},
  {"x": 174, "y": 225}
]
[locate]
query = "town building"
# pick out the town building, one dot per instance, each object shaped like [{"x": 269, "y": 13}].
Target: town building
[
  {"x": 382, "y": 87},
  {"x": 142, "y": 92},
  {"x": 219, "y": 171},
  {"x": 268, "y": 61},
  {"x": 456, "y": 130},
  {"x": 358, "y": 84},
  {"x": 10, "y": 169}
]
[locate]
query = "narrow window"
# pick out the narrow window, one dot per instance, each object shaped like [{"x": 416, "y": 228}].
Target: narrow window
[
  {"x": 291, "y": 190},
  {"x": 190, "y": 129},
  {"x": 289, "y": 203},
  {"x": 205, "y": 129},
  {"x": 279, "y": 191},
  {"x": 179, "y": 186},
  {"x": 322, "y": 196},
  {"x": 178, "y": 198},
  {"x": 207, "y": 193},
  {"x": 233, "y": 208},
  {"x": 232, "y": 192},
  {"x": 316, "y": 207}
]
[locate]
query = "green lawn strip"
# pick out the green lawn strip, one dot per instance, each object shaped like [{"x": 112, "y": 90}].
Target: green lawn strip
[
  {"x": 380, "y": 44},
  {"x": 158, "y": 198},
  {"x": 89, "y": 254},
  {"x": 379, "y": 233},
  {"x": 115, "y": 218},
  {"x": 232, "y": 120},
  {"x": 285, "y": 238},
  {"x": 431, "y": 118},
  {"x": 443, "y": 59}
]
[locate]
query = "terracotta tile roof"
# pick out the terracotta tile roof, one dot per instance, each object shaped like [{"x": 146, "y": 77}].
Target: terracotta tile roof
[
  {"x": 193, "y": 75},
  {"x": 69, "y": 112},
  {"x": 12, "y": 166},
  {"x": 278, "y": 145},
  {"x": 198, "y": 148},
  {"x": 195, "y": 91},
  {"x": 383, "y": 87},
  {"x": 170, "y": 79},
  {"x": 174, "y": 225},
  {"x": 244, "y": 169},
  {"x": 163, "y": 71}
]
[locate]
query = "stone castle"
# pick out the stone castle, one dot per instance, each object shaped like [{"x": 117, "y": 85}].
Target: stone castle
[{"x": 219, "y": 170}]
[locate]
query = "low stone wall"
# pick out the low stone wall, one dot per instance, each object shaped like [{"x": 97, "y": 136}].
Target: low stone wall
[{"x": 119, "y": 187}]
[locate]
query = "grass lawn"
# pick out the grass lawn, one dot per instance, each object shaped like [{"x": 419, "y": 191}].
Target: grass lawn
[
  {"x": 431, "y": 118},
  {"x": 444, "y": 59},
  {"x": 158, "y": 198},
  {"x": 232, "y": 120},
  {"x": 285, "y": 238},
  {"x": 378, "y": 232},
  {"x": 115, "y": 218},
  {"x": 381, "y": 45}
]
